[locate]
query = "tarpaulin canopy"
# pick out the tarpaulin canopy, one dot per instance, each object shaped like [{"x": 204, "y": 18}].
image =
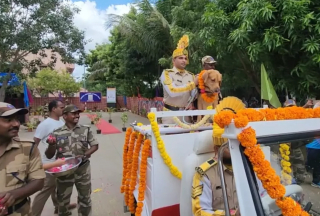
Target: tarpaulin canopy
[{"x": 13, "y": 80}]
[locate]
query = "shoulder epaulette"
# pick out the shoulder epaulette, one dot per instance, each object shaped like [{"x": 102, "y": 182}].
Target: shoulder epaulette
[
  {"x": 25, "y": 140},
  {"x": 189, "y": 72},
  {"x": 169, "y": 70},
  {"x": 27, "y": 145},
  {"x": 203, "y": 168}
]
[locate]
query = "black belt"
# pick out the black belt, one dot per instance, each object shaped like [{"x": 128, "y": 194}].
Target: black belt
[
  {"x": 172, "y": 108},
  {"x": 83, "y": 163},
  {"x": 14, "y": 208}
]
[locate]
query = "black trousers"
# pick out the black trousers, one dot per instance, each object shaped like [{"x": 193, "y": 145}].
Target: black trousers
[{"x": 313, "y": 164}]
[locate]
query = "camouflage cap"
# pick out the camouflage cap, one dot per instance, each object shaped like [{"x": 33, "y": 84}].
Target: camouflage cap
[
  {"x": 208, "y": 60},
  {"x": 289, "y": 103},
  {"x": 8, "y": 110},
  {"x": 71, "y": 108}
]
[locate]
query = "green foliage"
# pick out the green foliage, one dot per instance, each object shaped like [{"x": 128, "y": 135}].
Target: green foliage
[
  {"x": 48, "y": 81},
  {"x": 240, "y": 34},
  {"x": 124, "y": 119},
  {"x": 44, "y": 83},
  {"x": 67, "y": 85},
  {"x": 31, "y": 27}
]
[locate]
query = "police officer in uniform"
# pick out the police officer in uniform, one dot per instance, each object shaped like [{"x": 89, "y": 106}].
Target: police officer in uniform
[
  {"x": 179, "y": 85},
  {"x": 206, "y": 187},
  {"x": 74, "y": 140},
  {"x": 21, "y": 172}
]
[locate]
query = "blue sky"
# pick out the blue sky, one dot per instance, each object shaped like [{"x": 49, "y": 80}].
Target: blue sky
[
  {"x": 103, "y": 4},
  {"x": 92, "y": 18}
]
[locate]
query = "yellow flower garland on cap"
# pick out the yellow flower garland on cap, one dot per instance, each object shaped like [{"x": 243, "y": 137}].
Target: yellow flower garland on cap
[{"x": 161, "y": 147}]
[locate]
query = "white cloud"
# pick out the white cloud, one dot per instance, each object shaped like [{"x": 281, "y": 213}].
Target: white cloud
[{"x": 92, "y": 20}]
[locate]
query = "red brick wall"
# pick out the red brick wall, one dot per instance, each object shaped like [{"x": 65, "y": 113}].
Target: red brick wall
[
  {"x": 134, "y": 104},
  {"x": 73, "y": 100}
]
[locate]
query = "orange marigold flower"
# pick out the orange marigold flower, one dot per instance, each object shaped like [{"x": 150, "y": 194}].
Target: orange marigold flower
[
  {"x": 247, "y": 137},
  {"x": 316, "y": 112},
  {"x": 281, "y": 113},
  {"x": 224, "y": 118},
  {"x": 241, "y": 121},
  {"x": 269, "y": 114}
]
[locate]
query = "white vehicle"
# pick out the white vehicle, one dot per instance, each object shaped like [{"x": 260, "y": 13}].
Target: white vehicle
[{"x": 167, "y": 195}]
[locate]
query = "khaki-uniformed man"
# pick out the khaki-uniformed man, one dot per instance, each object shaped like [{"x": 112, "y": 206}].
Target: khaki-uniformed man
[
  {"x": 179, "y": 85},
  {"x": 74, "y": 140},
  {"x": 21, "y": 172},
  {"x": 206, "y": 188}
]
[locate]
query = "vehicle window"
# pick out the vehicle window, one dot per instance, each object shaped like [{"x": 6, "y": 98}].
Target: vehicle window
[{"x": 297, "y": 162}]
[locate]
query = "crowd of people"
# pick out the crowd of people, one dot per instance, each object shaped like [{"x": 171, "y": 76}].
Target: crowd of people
[{"x": 22, "y": 162}]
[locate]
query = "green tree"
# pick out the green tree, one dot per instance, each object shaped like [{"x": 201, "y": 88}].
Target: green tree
[
  {"x": 284, "y": 35},
  {"x": 44, "y": 83},
  {"x": 48, "y": 81},
  {"x": 33, "y": 26},
  {"x": 66, "y": 84}
]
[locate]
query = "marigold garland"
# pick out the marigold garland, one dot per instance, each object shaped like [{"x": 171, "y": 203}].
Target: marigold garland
[
  {"x": 133, "y": 137},
  {"x": 204, "y": 95},
  {"x": 124, "y": 159},
  {"x": 193, "y": 126},
  {"x": 265, "y": 173},
  {"x": 161, "y": 147},
  {"x": 285, "y": 164},
  {"x": 143, "y": 176},
  {"x": 134, "y": 172}
]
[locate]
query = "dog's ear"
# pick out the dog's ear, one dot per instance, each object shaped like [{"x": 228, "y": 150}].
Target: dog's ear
[{"x": 205, "y": 76}]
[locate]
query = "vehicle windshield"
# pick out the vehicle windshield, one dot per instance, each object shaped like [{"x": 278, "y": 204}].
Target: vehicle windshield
[{"x": 297, "y": 162}]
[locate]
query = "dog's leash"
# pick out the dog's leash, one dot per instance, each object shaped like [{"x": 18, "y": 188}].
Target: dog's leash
[{"x": 192, "y": 97}]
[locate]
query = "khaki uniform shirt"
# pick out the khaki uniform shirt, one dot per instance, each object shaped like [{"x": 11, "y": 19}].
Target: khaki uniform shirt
[
  {"x": 207, "y": 190},
  {"x": 178, "y": 87},
  {"x": 73, "y": 142},
  {"x": 17, "y": 160}
]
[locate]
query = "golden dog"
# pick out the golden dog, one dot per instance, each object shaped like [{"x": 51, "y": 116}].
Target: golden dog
[{"x": 212, "y": 82}]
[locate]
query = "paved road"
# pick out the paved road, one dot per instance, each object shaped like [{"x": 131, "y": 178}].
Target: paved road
[{"x": 106, "y": 166}]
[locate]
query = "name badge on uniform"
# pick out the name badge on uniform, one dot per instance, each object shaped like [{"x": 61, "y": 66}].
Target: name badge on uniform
[{"x": 62, "y": 138}]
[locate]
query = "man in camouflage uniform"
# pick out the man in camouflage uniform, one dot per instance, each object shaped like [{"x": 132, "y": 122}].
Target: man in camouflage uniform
[
  {"x": 21, "y": 172},
  {"x": 74, "y": 140}
]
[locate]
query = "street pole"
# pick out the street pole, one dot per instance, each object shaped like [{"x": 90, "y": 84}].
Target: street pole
[{"x": 84, "y": 78}]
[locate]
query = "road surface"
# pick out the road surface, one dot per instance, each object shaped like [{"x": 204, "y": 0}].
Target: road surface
[{"x": 106, "y": 167}]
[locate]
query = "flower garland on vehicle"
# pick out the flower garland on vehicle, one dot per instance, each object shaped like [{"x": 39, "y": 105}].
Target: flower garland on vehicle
[
  {"x": 204, "y": 95},
  {"x": 193, "y": 126},
  {"x": 285, "y": 164},
  {"x": 143, "y": 176},
  {"x": 134, "y": 172},
  {"x": 161, "y": 147},
  {"x": 265, "y": 173},
  {"x": 133, "y": 137},
  {"x": 124, "y": 159}
]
